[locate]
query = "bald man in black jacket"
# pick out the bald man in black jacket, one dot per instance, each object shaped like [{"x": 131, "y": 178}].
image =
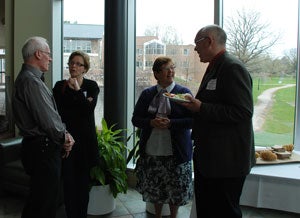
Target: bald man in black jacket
[{"x": 222, "y": 132}]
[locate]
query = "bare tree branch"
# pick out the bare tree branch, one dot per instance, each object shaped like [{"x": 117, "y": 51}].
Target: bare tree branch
[
  {"x": 248, "y": 38},
  {"x": 167, "y": 34}
]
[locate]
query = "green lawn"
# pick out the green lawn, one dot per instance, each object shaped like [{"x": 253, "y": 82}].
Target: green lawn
[
  {"x": 261, "y": 84},
  {"x": 279, "y": 125}
]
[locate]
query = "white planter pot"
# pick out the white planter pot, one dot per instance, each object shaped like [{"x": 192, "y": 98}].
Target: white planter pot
[
  {"x": 101, "y": 201},
  {"x": 151, "y": 209}
]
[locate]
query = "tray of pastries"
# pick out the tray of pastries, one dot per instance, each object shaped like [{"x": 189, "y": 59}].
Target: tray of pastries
[{"x": 276, "y": 154}]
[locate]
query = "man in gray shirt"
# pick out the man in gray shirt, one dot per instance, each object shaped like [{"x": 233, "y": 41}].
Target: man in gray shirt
[{"x": 45, "y": 138}]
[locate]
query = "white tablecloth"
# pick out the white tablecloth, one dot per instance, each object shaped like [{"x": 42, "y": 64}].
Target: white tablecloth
[
  {"x": 271, "y": 186},
  {"x": 274, "y": 187}
]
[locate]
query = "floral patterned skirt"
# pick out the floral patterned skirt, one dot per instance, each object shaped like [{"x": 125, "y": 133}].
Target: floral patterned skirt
[{"x": 161, "y": 181}]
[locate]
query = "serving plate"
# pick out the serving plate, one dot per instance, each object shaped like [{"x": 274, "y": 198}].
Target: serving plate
[{"x": 176, "y": 98}]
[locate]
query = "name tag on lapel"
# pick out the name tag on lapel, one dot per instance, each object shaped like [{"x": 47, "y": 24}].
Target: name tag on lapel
[{"x": 212, "y": 84}]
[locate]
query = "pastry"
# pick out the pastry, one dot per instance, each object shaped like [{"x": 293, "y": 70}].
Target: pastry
[
  {"x": 278, "y": 148},
  {"x": 268, "y": 155},
  {"x": 289, "y": 147},
  {"x": 283, "y": 155}
]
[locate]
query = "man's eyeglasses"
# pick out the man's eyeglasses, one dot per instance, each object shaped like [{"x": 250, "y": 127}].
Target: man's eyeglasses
[
  {"x": 201, "y": 39},
  {"x": 168, "y": 68},
  {"x": 46, "y": 52},
  {"x": 77, "y": 64}
]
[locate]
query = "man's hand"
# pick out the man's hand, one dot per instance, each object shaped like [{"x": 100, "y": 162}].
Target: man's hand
[
  {"x": 193, "y": 105},
  {"x": 69, "y": 142}
]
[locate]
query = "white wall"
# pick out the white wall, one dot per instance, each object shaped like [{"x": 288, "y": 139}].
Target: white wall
[
  {"x": 32, "y": 18},
  {"x": 2, "y": 35}
]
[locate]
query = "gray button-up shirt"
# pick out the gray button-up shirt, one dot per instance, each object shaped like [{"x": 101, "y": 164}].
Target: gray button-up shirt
[{"x": 34, "y": 107}]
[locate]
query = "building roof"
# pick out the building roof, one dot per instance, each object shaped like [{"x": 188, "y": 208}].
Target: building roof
[{"x": 86, "y": 31}]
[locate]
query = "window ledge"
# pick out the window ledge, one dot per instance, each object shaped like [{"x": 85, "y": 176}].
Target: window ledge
[{"x": 282, "y": 170}]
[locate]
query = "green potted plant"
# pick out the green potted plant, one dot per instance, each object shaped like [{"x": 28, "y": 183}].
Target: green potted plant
[
  {"x": 112, "y": 169},
  {"x": 134, "y": 153},
  {"x": 132, "y": 158}
]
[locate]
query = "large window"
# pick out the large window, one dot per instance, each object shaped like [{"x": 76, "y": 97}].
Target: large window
[
  {"x": 155, "y": 48},
  {"x": 84, "y": 30},
  {"x": 73, "y": 45},
  {"x": 6, "y": 129},
  {"x": 269, "y": 28},
  {"x": 264, "y": 39},
  {"x": 263, "y": 35},
  {"x": 175, "y": 25},
  {"x": 3, "y": 112}
]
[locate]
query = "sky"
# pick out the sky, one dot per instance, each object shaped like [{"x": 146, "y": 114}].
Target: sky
[{"x": 188, "y": 16}]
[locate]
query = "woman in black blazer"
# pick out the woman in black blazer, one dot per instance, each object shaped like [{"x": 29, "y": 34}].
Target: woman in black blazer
[{"x": 76, "y": 99}]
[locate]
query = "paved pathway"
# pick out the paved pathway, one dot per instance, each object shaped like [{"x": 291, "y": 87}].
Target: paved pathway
[{"x": 263, "y": 105}]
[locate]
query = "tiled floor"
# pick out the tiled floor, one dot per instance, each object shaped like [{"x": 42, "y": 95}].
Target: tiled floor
[{"x": 130, "y": 206}]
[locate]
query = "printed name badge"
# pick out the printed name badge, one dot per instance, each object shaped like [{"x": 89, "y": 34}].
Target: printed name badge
[{"x": 212, "y": 84}]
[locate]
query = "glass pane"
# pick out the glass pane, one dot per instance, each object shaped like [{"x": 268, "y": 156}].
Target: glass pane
[
  {"x": 6, "y": 130},
  {"x": 170, "y": 30},
  {"x": 84, "y": 30},
  {"x": 4, "y": 126},
  {"x": 263, "y": 34}
]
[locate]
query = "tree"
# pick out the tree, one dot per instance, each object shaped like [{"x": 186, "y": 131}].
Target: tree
[
  {"x": 248, "y": 38},
  {"x": 271, "y": 67},
  {"x": 167, "y": 34},
  {"x": 291, "y": 56}
]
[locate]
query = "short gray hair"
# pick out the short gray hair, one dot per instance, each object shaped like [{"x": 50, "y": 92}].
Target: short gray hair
[
  {"x": 217, "y": 31},
  {"x": 32, "y": 45}
]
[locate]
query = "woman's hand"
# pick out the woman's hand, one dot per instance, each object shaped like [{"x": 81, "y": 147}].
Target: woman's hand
[
  {"x": 73, "y": 83},
  {"x": 160, "y": 122}
]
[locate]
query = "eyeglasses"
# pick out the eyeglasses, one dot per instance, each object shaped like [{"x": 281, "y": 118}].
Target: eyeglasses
[
  {"x": 77, "y": 64},
  {"x": 46, "y": 52},
  {"x": 168, "y": 68},
  {"x": 199, "y": 40}
]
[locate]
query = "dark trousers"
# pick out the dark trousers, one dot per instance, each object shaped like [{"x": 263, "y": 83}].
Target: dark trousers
[
  {"x": 42, "y": 162},
  {"x": 76, "y": 187},
  {"x": 218, "y": 197}
]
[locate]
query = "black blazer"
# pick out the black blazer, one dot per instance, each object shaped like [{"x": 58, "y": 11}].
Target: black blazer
[
  {"x": 222, "y": 130},
  {"x": 78, "y": 115}
]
